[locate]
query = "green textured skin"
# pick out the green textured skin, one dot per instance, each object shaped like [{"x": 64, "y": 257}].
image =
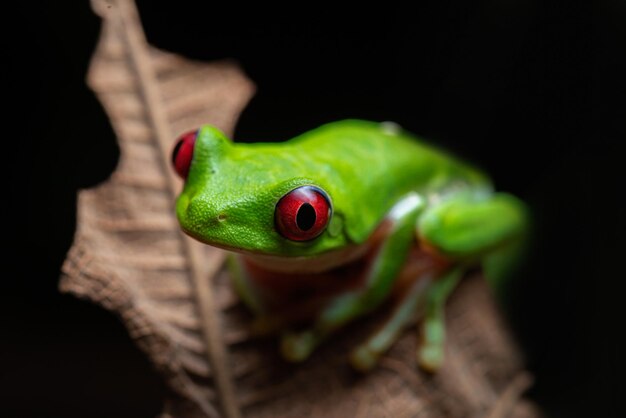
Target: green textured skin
[
  {"x": 462, "y": 226},
  {"x": 232, "y": 188}
]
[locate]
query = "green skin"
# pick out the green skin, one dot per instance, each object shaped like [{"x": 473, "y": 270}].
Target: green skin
[{"x": 372, "y": 172}]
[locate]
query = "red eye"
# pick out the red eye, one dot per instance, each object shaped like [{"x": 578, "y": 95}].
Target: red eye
[
  {"x": 183, "y": 153},
  {"x": 303, "y": 213}
]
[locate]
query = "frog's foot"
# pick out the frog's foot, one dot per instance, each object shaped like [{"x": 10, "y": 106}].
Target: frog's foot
[
  {"x": 430, "y": 351},
  {"x": 297, "y": 347}
]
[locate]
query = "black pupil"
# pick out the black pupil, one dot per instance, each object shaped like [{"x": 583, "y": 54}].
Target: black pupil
[
  {"x": 305, "y": 219},
  {"x": 175, "y": 151}
]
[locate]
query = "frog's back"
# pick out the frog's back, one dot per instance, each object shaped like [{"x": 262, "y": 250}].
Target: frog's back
[
  {"x": 378, "y": 163},
  {"x": 372, "y": 150}
]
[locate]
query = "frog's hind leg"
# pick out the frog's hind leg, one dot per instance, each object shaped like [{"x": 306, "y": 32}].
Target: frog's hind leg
[
  {"x": 488, "y": 232},
  {"x": 491, "y": 232},
  {"x": 465, "y": 232}
]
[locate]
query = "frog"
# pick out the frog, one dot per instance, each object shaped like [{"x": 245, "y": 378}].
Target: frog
[{"x": 342, "y": 221}]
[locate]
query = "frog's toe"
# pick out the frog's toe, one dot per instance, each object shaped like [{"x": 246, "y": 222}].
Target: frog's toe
[
  {"x": 430, "y": 357},
  {"x": 297, "y": 347},
  {"x": 363, "y": 358},
  {"x": 430, "y": 352}
]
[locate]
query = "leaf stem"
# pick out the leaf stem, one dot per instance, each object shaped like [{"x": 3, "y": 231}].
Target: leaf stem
[{"x": 217, "y": 356}]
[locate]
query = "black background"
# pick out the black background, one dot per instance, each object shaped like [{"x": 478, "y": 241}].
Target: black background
[{"x": 534, "y": 92}]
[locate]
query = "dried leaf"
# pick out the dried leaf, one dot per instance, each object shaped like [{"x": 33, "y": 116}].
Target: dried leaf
[
  {"x": 129, "y": 254},
  {"x": 173, "y": 295}
]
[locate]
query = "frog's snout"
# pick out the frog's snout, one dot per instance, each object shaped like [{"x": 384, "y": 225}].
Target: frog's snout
[{"x": 201, "y": 212}]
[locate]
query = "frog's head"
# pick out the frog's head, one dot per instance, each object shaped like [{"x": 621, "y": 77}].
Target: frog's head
[{"x": 255, "y": 198}]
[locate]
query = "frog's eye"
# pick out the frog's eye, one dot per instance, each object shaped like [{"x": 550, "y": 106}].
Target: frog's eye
[
  {"x": 183, "y": 153},
  {"x": 303, "y": 213}
]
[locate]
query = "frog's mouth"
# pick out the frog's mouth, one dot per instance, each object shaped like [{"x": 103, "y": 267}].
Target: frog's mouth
[
  {"x": 307, "y": 264},
  {"x": 317, "y": 263}
]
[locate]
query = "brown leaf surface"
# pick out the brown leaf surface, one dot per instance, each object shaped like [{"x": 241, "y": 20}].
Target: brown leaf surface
[
  {"x": 173, "y": 295},
  {"x": 129, "y": 254}
]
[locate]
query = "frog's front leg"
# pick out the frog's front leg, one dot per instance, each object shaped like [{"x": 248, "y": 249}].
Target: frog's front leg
[
  {"x": 432, "y": 330},
  {"x": 380, "y": 276},
  {"x": 421, "y": 300}
]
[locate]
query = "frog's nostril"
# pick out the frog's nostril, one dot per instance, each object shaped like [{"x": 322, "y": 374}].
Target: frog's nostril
[{"x": 202, "y": 212}]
